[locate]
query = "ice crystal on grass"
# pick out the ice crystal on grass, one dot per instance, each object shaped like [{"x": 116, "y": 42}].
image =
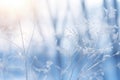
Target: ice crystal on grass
[{"x": 77, "y": 42}]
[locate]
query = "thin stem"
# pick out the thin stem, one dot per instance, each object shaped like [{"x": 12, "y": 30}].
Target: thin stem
[{"x": 24, "y": 50}]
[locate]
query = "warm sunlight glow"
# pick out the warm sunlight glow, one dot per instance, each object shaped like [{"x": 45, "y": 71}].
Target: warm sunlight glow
[{"x": 14, "y": 5}]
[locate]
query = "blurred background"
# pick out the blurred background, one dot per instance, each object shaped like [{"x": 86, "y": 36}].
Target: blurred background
[{"x": 59, "y": 40}]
